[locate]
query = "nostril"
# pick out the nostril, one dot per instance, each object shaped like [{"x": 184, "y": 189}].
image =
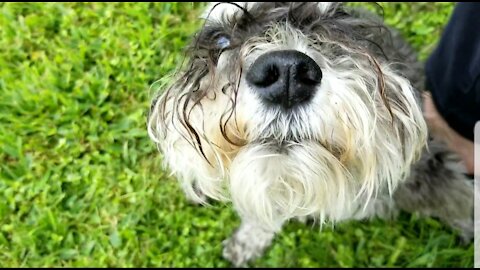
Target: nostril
[
  {"x": 268, "y": 77},
  {"x": 272, "y": 75},
  {"x": 307, "y": 74}
]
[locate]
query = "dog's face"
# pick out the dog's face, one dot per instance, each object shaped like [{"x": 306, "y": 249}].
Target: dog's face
[{"x": 288, "y": 109}]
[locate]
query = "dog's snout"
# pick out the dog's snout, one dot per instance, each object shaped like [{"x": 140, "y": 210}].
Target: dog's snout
[{"x": 285, "y": 78}]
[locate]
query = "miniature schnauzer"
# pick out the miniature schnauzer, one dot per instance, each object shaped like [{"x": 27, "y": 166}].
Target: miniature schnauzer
[{"x": 304, "y": 110}]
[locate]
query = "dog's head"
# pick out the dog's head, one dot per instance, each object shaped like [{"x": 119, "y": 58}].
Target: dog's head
[{"x": 289, "y": 109}]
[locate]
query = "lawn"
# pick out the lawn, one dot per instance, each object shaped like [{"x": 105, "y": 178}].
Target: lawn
[{"x": 81, "y": 183}]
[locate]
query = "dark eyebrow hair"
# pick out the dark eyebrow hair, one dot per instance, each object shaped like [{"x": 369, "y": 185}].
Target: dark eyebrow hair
[
  {"x": 210, "y": 30},
  {"x": 245, "y": 11}
]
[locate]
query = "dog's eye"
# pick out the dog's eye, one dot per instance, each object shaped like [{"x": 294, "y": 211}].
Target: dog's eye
[{"x": 223, "y": 42}]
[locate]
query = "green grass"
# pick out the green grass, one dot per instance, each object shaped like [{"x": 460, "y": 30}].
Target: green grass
[{"x": 80, "y": 182}]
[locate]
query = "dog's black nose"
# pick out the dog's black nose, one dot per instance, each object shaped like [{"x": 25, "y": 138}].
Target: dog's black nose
[{"x": 285, "y": 77}]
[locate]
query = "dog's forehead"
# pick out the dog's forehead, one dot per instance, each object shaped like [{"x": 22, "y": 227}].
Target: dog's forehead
[{"x": 217, "y": 11}]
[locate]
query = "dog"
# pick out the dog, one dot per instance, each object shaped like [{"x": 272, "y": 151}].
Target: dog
[{"x": 304, "y": 110}]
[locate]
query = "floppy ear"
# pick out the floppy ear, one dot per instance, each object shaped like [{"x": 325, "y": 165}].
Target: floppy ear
[{"x": 176, "y": 141}]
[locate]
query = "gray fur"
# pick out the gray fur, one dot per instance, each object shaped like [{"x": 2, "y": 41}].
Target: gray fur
[
  {"x": 438, "y": 188},
  {"x": 248, "y": 242}
]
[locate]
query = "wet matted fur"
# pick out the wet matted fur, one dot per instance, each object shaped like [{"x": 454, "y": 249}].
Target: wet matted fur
[{"x": 359, "y": 148}]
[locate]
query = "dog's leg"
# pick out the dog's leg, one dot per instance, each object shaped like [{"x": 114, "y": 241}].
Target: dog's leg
[
  {"x": 438, "y": 188},
  {"x": 248, "y": 242}
]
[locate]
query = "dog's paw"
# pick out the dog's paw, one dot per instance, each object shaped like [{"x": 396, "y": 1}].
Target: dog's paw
[
  {"x": 246, "y": 244},
  {"x": 466, "y": 229},
  {"x": 237, "y": 252}
]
